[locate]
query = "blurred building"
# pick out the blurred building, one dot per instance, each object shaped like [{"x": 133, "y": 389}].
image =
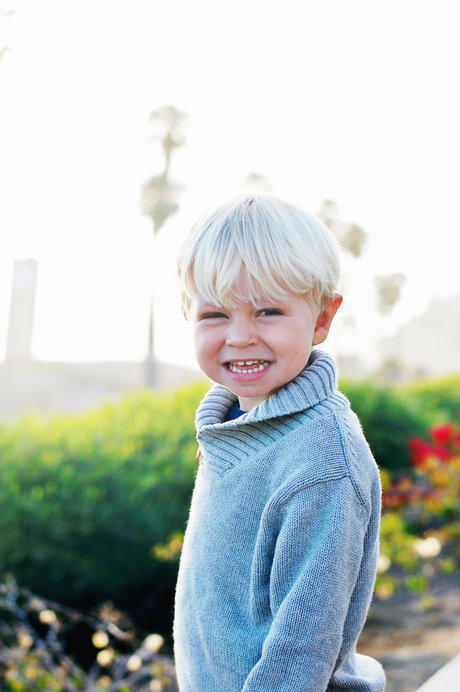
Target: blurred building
[
  {"x": 27, "y": 384},
  {"x": 428, "y": 345},
  {"x": 21, "y": 320}
]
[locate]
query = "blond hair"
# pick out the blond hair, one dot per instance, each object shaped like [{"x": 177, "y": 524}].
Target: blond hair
[{"x": 279, "y": 247}]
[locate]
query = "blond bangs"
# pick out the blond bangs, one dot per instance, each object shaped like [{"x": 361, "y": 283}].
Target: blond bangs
[{"x": 276, "y": 246}]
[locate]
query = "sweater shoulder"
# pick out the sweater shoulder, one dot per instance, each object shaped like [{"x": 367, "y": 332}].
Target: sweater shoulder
[{"x": 333, "y": 446}]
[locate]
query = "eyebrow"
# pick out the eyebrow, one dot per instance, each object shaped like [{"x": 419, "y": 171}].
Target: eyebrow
[{"x": 209, "y": 306}]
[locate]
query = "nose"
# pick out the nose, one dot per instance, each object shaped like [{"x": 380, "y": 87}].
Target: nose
[{"x": 241, "y": 333}]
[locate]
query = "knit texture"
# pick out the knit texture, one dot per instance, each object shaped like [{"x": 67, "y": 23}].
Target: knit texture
[{"x": 280, "y": 552}]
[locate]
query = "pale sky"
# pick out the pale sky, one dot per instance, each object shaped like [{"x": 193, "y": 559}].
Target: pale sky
[{"x": 353, "y": 101}]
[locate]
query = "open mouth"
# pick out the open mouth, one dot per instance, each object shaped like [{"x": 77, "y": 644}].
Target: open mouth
[{"x": 247, "y": 366}]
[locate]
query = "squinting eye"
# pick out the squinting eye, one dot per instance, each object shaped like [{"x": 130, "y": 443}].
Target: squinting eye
[
  {"x": 212, "y": 315},
  {"x": 270, "y": 311}
]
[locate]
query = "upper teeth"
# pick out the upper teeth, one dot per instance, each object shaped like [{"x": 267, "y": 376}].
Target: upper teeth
[{"x": 262, "y": 364}]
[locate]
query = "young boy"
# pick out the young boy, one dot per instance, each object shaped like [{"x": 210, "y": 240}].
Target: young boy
[{"x": 279, "y": 558}]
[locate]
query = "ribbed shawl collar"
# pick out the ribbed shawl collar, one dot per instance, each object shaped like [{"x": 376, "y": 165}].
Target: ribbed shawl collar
[{"x": 314, "y": 384}]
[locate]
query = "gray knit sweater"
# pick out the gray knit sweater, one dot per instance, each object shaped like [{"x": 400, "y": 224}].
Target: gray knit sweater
[{"x": 279, "y": 557}]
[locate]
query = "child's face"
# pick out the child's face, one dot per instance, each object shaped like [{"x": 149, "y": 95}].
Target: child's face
[{"x": 254, "y": 351}]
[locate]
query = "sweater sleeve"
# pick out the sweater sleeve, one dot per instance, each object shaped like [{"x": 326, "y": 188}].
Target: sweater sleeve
[{"x": 316, "y": 564}]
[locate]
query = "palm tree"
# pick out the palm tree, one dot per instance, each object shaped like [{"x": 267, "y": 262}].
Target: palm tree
[
  {"x": 159, "y": 198},
  {"x": 4, "y": 16},
  {"x": 159, "y": 195}
]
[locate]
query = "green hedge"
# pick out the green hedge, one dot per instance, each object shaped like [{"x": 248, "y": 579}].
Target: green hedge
[
  {"x": 437, "y": 400},
  {"x": 392, "y": 415},
  {"x": 84, "y": 500},
  {"x": 388, "y": 420}
]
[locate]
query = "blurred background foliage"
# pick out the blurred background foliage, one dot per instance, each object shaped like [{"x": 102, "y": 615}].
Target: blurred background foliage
[
  {"x": 84, "y": 500},
  {"x": 388, "y": 420},
  {"x": 438, "y": 400},
  {"x": 50, "y": 647},
  {"x": 93, "y": 507},
  {"x": 420, "y": 532}
]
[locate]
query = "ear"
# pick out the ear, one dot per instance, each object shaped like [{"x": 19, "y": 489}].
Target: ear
[{"x": 324, "y": 321}]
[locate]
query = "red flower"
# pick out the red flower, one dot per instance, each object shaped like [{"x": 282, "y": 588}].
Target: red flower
[
  {"x": 442, "y": 433},
  {"x": 420, "y": 450}
]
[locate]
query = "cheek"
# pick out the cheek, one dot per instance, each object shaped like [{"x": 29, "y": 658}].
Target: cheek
[
  {"x": 295, "y": 340},
  {"x": 297, "y": 344},
  {"x": 206, "y": 345},
  {"x": 206, "y": 354}
]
